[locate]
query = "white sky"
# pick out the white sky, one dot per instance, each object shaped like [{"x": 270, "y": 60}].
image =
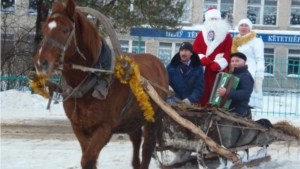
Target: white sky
[{"x": 17, "y": 107}]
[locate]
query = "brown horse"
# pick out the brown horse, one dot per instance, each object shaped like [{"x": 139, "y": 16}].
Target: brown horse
[{"x": 94, "y": 121}]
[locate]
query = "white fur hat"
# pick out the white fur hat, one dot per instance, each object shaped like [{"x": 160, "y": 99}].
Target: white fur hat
[
  {"x": 212, "y": 13},
  {"x": 246, "y": 21}
]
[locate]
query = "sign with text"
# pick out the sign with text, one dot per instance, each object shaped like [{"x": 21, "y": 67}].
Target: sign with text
[{"x": 191, "y": 34}]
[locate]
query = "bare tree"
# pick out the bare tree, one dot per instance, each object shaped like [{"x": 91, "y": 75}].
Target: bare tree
[
  {"x": 42, "y": 8},
  {"x": 16, "y": 48},
  {"x": 20, "y": 36}
]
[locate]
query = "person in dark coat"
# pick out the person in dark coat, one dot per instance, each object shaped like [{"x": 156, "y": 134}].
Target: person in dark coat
[
  {"x": 186, "y": 74},
  {"x": 241, "y": 95}
]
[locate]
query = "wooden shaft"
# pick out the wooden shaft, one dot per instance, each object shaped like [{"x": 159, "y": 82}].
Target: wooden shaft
[
  {"x": 126, "y": 66},
  {"x": 182, "y": 121},
  {"x": 186, "y": 123},
  {"x": 108, "y": 26}
]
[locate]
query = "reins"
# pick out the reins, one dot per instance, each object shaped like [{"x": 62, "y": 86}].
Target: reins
[{"x": 165, "y": 90}]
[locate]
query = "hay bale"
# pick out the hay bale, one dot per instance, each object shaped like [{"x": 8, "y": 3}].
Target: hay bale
[{"x": 288, "y": 128}]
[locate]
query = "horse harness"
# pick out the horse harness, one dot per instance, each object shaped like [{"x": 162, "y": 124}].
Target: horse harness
[
  {"x": 91, "y": 80},
  {"x": 64, "y": 47}
]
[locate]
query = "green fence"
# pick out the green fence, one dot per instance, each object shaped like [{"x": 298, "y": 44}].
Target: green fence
[
  {"x": 281, "y": 87},
  {"x": 19, "y": 83}
]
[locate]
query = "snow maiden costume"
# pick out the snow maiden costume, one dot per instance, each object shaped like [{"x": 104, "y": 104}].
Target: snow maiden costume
[
  {"x": 213, "y": 45},
  {"x": 253, "y": 48}
]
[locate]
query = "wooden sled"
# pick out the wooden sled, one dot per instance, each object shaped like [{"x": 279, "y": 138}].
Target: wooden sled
[
  {"x": 234, "y": 133},
  {"x": 203, "y": 131}
]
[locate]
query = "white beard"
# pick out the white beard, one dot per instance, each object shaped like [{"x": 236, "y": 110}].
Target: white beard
[
  {"x": 220, "y": 28},
  {"x": 215, "y": 25}
]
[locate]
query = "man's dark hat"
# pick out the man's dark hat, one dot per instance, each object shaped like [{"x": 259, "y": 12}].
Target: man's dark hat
[
  {"x": 186, "y": 45},
  {"x": 239, "y": 54}
]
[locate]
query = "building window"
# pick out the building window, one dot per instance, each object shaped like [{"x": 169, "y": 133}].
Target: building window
[
  {"x": 32, "y": 9},
  {"x": 294, "y": 62},
  {"x": 166, "y": 51},
  {"x": 225, "y": 6},
  {"x": 262, "y": 12},
  {"x": 295, "y": 13},
  {"x": 135, "y": 47},
  {"x": 8, "y": 6},
  {"x": 269, "y": 61},
  {"x": 132, "y": 46},
  {"x": 124, "y": 45}
]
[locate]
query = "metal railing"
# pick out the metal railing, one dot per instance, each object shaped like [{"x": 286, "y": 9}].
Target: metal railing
[
  {"x": 281, "y": 88},
  {"x": 19, "y": 83}
]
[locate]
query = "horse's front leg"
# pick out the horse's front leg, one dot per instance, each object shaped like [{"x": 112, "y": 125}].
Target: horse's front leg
[
  {"x": 136, "y": 139},
  {"x": 81, "y": 137},
  {"x": 98, "y": 140}
]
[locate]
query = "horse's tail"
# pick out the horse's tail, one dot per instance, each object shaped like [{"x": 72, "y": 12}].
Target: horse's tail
[{"x": 160, "y": 131}]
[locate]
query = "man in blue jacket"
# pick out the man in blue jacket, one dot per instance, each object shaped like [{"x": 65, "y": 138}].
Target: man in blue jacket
[
  {"x": 186, "y": 74},
  {"x": 241, "y": 95}
]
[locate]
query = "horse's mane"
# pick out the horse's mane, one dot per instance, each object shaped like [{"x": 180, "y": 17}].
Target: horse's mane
[{"x": 89, "y": 33}]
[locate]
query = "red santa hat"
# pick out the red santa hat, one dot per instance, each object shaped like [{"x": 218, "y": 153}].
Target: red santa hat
[{"x": 212, "y": 13}]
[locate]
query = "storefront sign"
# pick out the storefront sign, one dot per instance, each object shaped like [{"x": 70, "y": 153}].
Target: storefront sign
[{"x": 191, "y": 34}]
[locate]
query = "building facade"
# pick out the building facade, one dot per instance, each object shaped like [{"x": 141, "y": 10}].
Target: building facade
[{"x": 277, "y": 22}]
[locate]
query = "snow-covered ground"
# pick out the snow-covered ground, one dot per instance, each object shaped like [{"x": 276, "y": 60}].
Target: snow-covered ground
[{"x": 28, "y": 152}]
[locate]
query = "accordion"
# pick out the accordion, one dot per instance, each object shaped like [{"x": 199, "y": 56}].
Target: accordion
[{"x": 227, "y": 81}]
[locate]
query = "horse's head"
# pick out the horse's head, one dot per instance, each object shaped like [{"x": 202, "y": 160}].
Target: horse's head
[{"x": 68, "y": 37}]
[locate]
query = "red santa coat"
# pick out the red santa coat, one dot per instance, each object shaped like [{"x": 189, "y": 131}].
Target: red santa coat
[{"x": 215, "y": 56}]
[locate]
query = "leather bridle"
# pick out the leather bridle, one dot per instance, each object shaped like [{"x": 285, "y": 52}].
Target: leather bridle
[{"x": 62, "y": 47}]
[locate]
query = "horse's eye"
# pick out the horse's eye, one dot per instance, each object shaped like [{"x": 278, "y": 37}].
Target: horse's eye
[{"x": 65, "y": 30}]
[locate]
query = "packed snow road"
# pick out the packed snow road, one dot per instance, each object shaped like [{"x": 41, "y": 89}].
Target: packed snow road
[{"x": 42, "y": 129}]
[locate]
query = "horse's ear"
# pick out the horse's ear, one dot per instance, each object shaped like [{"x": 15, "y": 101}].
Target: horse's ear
[
  {"x": 57, "y": 6},
  {"x": 70, "y": 8}
]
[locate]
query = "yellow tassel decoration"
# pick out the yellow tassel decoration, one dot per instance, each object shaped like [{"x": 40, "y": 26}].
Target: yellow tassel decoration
[
  {"x": 237, "y": 41},
  {"x": 136, "y": 87},
  {"x": 39, "y": 86}
]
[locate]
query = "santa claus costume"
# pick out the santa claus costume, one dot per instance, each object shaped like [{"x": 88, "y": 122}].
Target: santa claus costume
[{"x": 213, "y": 46}]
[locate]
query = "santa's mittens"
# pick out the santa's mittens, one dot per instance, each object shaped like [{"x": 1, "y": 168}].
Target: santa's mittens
[
  {"x": 186, "y": 101},
  {"x": 258, "y": 84},
  {"x": 215, "y": 67},
  {"x": 205, "y": 61}
]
